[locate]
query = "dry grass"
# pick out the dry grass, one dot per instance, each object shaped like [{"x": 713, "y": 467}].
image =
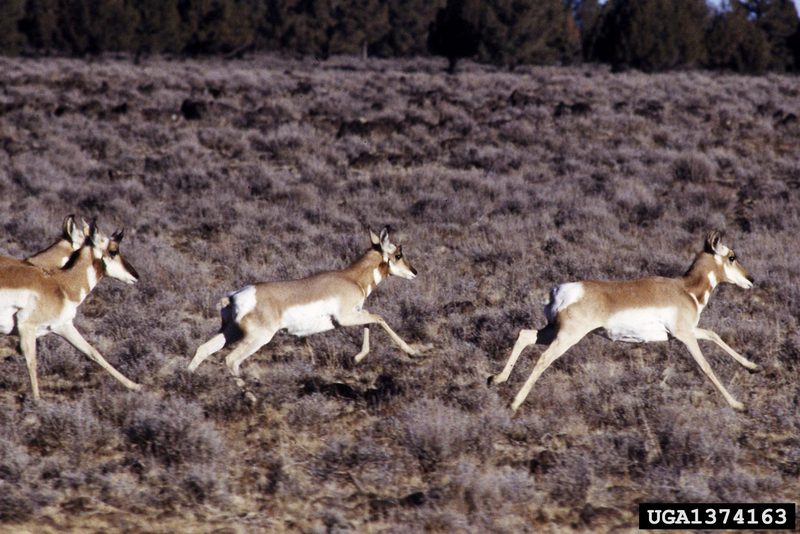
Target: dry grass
[{"x": 499, "y": 185}]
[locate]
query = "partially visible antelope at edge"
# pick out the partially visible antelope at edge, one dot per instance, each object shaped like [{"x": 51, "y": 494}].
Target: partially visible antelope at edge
[
  {"x": 643, "y": 310},
  {"x": 252, "y": 315},
  {"x": 35, "y": 302},
  {"x": 56, "y": 255}
]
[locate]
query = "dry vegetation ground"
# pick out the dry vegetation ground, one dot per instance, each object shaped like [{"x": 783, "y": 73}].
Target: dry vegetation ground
[{"x": 500, "y": 185}]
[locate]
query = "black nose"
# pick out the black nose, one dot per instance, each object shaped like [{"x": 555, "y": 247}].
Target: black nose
[
  {"x": 751, "y": 279},
  {"x": 414, "y": 271}
]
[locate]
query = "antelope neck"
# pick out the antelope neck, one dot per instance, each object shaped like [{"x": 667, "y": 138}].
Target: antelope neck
[
  {"x": 701, "y": 279},
  {"x": 368, "y": 271},
  {"x": 80, "y": 275}
]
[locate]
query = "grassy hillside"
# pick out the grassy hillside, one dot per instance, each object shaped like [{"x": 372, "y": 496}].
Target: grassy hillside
[{"x": 499, "y": 185}]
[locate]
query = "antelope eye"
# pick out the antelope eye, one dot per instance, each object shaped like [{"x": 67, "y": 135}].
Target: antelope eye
[
  {"x": 732, "y": 258},
  {"x": 398, "y": 256},
  {"x": 113, "y": 253}
]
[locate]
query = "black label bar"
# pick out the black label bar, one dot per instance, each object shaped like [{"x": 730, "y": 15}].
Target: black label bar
[{"x": 708, "y": 516}]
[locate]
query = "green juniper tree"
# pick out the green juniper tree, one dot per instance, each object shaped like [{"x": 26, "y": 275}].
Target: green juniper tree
[
  {"x": 778, "y": 20},
  {"x": 653, "y": 35},
  {"x": 409, "y": 26},
  {"x": 11, "y": 13},
  {"x": 159, "y": 28},
  {"x": 735, "y": 43}
]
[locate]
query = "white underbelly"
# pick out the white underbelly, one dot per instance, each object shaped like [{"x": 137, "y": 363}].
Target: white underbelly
[
  {"x": 7, "y": 320},
  {"x": 11, "y": 302},
  {"x": 310, "y": 318},
  {"x": 641, "y": 325}
]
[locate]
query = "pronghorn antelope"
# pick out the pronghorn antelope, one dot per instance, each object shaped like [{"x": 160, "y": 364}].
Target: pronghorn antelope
[
  {"x": 56, "y": 255},
  {"x": 35, "y": 302},
  {"x": 253, "y": 314},
  {"x": 643, "y": 310}
]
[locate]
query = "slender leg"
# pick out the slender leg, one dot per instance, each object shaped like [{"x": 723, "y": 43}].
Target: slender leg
[
  {"x": 364, "y": 317},
  {"x": 525, "y": 339},
  {"x": 563, "y": 341},
  {"x": 71, "y": 334},
  {"x": 708, "y": 335},
  {"x": 690, "y": 341},
  {"x": 364, "y": 346},
  {"x": 207, "y": 349},
  {"x": 27, "y": 343},
  {"x": 245, "y": 349}
]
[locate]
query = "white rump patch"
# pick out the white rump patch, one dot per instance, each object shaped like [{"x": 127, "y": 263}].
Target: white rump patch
[
  {"x": 561, "y": 297},
  {"x": 243, "y": 301},
  {"x": 307, "y": 319},
  {"x": 639, "y": 325}
]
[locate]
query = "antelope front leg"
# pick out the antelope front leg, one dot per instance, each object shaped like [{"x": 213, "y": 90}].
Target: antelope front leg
[
  {"x": 27, "y": 342},
  {"x": 709, "y": 335},
  {"x": 71, "y": 334},
  {"x": 364, "y": 346},
  {"x": 691, "y": 343},
  {"x": 364, "y": 318}
]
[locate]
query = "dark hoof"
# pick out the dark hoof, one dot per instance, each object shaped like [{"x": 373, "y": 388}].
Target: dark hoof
[
  {"x": 755, "y": 370},
  {"x": 489, "y": 382},
  {"x": 739, "y": 407}
]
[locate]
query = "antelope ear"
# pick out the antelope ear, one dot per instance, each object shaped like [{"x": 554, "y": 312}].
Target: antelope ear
[
  {"x": 712, "y": 242},
  {"x": 386, "y": 246},
  {"x": 376, "y": 241},
  {"x": 118, "y": 235},
  {"x": 385, "y": 238},
  {"x": 68, "y": 227}
]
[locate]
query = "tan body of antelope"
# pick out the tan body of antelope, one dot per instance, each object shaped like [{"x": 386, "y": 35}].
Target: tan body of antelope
[
  {"x": 56, "y": 255},
  {"x": 643, "y": 310},
  {"x": 252, "y": 315},
  {"x": 35, "y": 302}
]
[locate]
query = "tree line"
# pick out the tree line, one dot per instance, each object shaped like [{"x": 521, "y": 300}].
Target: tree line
[{"x": 751, "y": 36}]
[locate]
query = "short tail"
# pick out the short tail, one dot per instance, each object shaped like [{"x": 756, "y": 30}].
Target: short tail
[
  {"x": 226, "y": 312},
  {"x": 561, "y": 297}
]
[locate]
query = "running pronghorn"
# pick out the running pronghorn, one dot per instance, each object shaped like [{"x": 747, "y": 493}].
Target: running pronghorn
[
  {"x": 253, "y": 314},
  {"x": 35, "y": 302},
  {"x": 643, "y": 310},
  {"x": 56, "y": 255}
]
